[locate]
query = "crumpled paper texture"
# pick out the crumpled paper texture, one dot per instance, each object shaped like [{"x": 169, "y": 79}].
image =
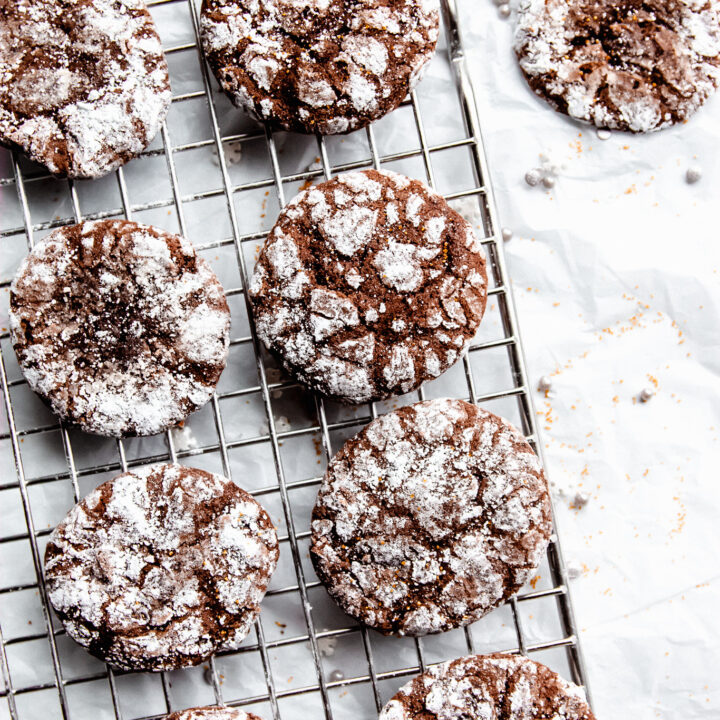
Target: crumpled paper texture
[{"x": 616, "y": 275}]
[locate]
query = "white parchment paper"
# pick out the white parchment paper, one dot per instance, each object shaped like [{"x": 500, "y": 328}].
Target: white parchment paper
[{"x": 615, "y": 272}]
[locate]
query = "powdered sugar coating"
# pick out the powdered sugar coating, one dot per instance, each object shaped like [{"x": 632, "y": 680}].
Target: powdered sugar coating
[
  {"x": 368, "y": 285},
  {"x": 319, "y": 66},
  {"x": 629, "y": 65},
  {"x": 429, "y": 518},
  {"x": 212, "y": 712},
  {"x": 488, "y": 687},
  {"x": 161, "y": 567},
  {"x": 121, "y": 327},
  {"x": 84, "y": 85}
]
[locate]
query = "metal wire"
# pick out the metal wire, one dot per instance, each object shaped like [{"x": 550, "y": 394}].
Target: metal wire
[{"x": 311, "y": 635}]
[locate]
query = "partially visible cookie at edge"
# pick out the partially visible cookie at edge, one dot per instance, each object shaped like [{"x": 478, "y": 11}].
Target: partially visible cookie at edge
[
  {"x": 161, "y": 567},
  {"x": 430, "y": 517},
  {"x": 368, "y": 285},
  {"x": 319, "y": 66},
  {"x": 120, "y": 327},
  {"x": 631, "y": 65},
  {"x": 212, "y": 712},
  {"x": 480, "y": 687},
  {"x": 84, "y": 85}
]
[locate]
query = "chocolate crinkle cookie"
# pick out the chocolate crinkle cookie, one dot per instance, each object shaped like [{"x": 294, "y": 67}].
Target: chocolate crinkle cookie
[
  {"x": 488, "y": 687},
  {"x": 211, "y": 712},
  {"x": 319, "y": 66},
  {"x": 368, "y": 285},
  {"x": 161, "y": 567},
  {"x": 120, "y": 327},
  {"x": 632, "y": 65},
  {"x": 84, "y": 84},
  {"x": 430, "y": 517}
]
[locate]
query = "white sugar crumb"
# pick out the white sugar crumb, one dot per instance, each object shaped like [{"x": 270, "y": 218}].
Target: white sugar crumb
[
  {"x": 202, "y": 334},
  {"x": 469, "y": 517},
  {"x": 349, "y": 230},
  {"x": 367, "y": 52},
  {"x": 400, "y": 370},
  {"x": 354, "y": 278},
  {"x": 184, "y": 438},
  {"x": 361, "y": 92},
  {"x": 327, "y": 646},
  {"x": 317, "y": 93},
  {"x": 412, "y": 209},
  {"x": 127, "y": 580},
  {"x": 63, "y": 116},
  {"x": 263, "y": 70},
  {"x": 609, "y": 83},
  {"x": 399, "y": 267},
  {"x": 360, "y": 183},
  {"x": 574, "y": 569},
  {"x": 85, "y": 371}
]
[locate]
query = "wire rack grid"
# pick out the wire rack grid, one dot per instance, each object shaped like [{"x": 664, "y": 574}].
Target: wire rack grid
[{"x": 299, "y": 633}]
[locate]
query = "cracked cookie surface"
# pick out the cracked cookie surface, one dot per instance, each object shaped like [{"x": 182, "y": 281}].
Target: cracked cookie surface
[
  {"x": 429, "y": 518},
  {"x": 211, "y": 712},
  {"x": 120, "y": 327},
  {"x": 488, "y": 687},
  {"x": 319, "y": 66},
  {"x": 161, "y": 567},
  {"x": 368, "y": 285},
  {"x": 84, "y": 84},
  {"x": 637, "y": 65}
]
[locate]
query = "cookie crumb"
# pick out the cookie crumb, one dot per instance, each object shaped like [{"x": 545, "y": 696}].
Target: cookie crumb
[
  {"x": 544, "y": 384},
  {"x": 646, "y": 394},
  {"x": 693, "y": 175}
]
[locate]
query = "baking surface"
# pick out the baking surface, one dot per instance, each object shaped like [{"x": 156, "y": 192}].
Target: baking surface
[
  {"x": 615, "y": 272},
  {"x": 304, "y": 658}
]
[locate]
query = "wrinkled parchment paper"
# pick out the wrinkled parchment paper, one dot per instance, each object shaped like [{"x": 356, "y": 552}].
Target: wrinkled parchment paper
[{"x": 616, "y": 276}]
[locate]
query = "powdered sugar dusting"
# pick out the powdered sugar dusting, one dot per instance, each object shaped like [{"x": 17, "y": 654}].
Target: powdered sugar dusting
[
  {"x": 159, "y": 568},
  {"x": 630, "y": 65},
  {"x": 430, "y": 517},
  {"x": 488, "y": 687},
  {"x": 213, "y": 712},
  {"x": 83, "y": 87},
  {"x": 369, "y": 255},
  {"x": 319, "y": 66},
  {"x": 399, "y": 266},
  {"x": 349, "y": 230},
  {"x": 120, "y": 326}
]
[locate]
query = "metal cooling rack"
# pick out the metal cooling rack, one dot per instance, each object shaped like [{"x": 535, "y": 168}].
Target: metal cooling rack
[{"x": 304, "y": 658}]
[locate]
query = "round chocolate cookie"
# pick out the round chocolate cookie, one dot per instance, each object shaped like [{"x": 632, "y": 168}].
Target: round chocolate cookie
[
  {"x": 120, "y": 327},
  {"x": 637, "y": 65},
  {"x": 368, "y": 285},
  {"x": 481, "y": 687},
  {"x": 84, "y": 84},
  {"x": 430, "y": 517},
  {"x": 211, "y": 712},
  {"x": 319, "y": 66},
  {"x": 160, "y": 568}
]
